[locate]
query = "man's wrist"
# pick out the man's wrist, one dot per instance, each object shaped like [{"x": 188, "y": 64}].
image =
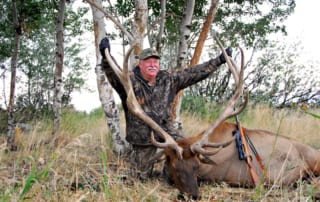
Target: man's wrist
[{"x": 215, "y": 61}]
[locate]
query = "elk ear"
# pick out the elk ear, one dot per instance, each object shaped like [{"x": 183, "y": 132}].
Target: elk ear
[{"x": 205, "y": 159}]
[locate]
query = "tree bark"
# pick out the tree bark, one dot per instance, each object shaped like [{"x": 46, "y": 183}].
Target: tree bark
[
  {"x": 185, "y": 31},
  {"x": 57, "y": 98},
  {"x": 139, "y": 27},
  {"x": 11, "y": 144},
  {"x": 99, "y": 7},
  {"x": 204, "y": 33},
  {"x": 119, "y": 144},
  {"x": 195, "y": 59},
  {"x": 162, "y": 25}
]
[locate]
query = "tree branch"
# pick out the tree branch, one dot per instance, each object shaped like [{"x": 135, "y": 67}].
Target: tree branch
[{"x": 117, "y": 23}]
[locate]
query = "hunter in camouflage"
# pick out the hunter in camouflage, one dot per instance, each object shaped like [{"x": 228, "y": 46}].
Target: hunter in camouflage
[{"x": 156, "y": 99}]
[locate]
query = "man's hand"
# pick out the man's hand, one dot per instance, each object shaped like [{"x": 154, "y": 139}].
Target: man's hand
[
  {"x": 229, "y": 53},
  {"x": 104, "y": 43}
]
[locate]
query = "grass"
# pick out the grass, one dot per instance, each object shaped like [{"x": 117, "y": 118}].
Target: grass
[{"x": 79, "y": 165}]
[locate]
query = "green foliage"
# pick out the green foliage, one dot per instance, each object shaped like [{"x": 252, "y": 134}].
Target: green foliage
[
  {"x": 78, "y": 122},
  {"x": 278, "y": 79},
  {"x": 29, "y": 182},
  {"x": 175, "y": 11},
  {"x": 200, "y": 107},
  {"x": 73, "y": 121},
  {"x": 317, "y": 116},
  {"x": 75, "y": 24},
  {"x": 195, "y": 105},
  {"x": 208, "y": 110},
  {"x": 244, "y": 22},
  {"x": 36, "y": 55},
  {"x": 97, "y": 113},
  {"x": 125, "y": 8},
  {"x": 251, "y": 27},
  {"x": 274, "y": 77},
  {"x": 36, "y": 177}
]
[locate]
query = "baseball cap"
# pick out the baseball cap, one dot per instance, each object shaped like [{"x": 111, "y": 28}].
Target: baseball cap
[{"x": 149, "y": 52}]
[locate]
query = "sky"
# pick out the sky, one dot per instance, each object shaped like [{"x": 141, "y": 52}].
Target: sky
[{"x": 301, "y": 26}]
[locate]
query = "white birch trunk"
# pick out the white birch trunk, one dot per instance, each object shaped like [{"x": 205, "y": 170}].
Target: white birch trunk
[
  {"x": 109, "y": 106},
  {"x": 139, "y": 27},
  {"x": 185, "y": 31},
  {"x": 120, "y": 145},
  {"x": 57, "y": 98},
  {"x": 162, "y": 25},
  {"x": 14, "y": 60}
]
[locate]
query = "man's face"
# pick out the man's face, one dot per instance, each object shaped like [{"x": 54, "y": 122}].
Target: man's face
[{"x": 149, "y": 68}]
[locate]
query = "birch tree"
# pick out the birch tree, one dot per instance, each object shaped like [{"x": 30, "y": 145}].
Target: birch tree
[
  {"x": 119, "y": 144},
  {"x": 185, "y": 33},
  {"x": 59, "y": 67},
  {"x": 159, "y": 43},
  {"x": 14, "y": 60},
  {"x": 139, "y": 24}
]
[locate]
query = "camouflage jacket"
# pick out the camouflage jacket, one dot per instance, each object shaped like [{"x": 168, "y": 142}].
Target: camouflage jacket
[{"x": 156, "y": 100}]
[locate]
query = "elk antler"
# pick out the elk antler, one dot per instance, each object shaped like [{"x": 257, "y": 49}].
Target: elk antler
[
  {"x": 229, "y": 108},
  {"x": 133, "y": 105}
]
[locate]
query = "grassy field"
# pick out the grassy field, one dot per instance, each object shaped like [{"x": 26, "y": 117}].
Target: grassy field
[{"x": 79, "y": 165}]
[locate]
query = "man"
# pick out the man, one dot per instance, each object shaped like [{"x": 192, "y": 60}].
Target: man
[{"x": 155, "y": 89}]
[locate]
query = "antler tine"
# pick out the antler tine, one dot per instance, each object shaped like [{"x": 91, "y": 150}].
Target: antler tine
[
  {"x": 214, "y": 145},
  {"x": 134, "y": 106},
  {"x": 229, "y": 108},
  {"x": 231, "y": 64}
]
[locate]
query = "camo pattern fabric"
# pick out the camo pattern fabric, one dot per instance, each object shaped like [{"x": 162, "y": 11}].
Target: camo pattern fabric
[
  {"x": 156, "y": 100},
  {"x": 139, "y": 158}
]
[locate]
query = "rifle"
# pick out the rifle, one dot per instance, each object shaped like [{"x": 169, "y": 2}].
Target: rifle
[{"x": 243, "y": 151}]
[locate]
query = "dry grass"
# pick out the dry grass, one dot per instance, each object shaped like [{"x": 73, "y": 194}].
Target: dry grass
[
  {"x": 292, "y": 123},
  {"x": 71, "y": 167}
]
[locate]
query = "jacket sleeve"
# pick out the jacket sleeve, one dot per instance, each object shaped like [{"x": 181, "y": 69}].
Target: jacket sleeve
[
  {"x": 192, "y": 75},
  {"x": 113, "y": 78}
]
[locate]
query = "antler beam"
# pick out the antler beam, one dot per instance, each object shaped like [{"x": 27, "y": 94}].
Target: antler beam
[{"x": 229, "y": 108}]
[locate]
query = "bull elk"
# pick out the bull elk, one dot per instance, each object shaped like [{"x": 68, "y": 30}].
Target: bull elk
[{"x": 192, "y": 159}]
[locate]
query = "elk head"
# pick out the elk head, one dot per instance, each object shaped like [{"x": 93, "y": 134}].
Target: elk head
[
  {"x": 183, "y": 157},
  {"x": 183, "y": 172}
]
